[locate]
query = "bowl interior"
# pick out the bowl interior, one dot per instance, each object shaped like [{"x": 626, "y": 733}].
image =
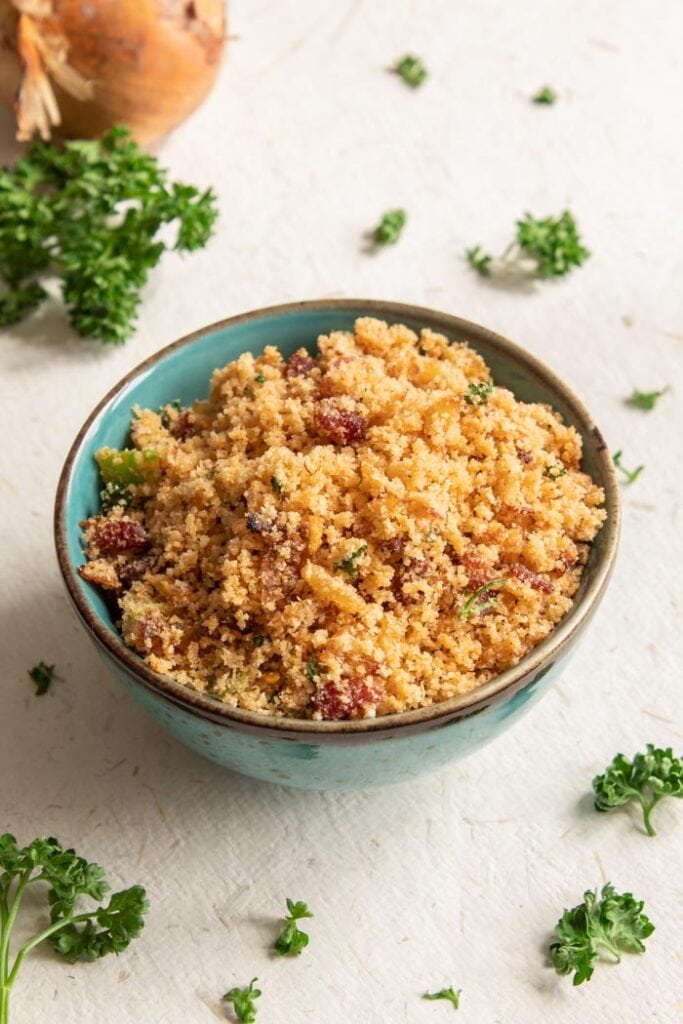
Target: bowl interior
[{"x": 183, "y": 371}]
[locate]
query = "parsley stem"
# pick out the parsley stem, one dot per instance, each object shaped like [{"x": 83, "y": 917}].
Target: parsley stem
[
  {"x": 10, "y": 912},
  {"x": 648, "y": 807},
  {"x": 37, "y": 939}
]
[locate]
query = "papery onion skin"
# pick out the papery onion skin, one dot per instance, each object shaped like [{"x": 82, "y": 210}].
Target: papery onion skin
[{"x": 150, "y": 63}]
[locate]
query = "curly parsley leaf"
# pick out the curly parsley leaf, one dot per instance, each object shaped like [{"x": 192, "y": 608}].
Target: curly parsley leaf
[
  {"x": 479, "y": 261},
  {"x": 479, "y": 394},
  {"x": 630, "y": 474},
  {"x": 243, "y": 1002},
  {"x": 42, "y": 675},
  {"x": 543, "y": 247},
  {"x": 482, "y": 600},
  {"x": 452, "y": 995},
  {"x": 411, "y": 69},
  {"x": 291, "y": 940},
  {"x": 545, "y": 96},
  {"x": 647, "y": 778},
  {"x": 90, "y": 213},
  {"x": 613, "y": 922},
  {"x": 389, "y": 229},
  {"x": 75, "y": 934},
  {"x": 349, "y": 564},
  {"x": 645, "y": 400}
]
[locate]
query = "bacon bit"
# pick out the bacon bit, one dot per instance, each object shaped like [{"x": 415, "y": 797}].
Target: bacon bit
[
  {"x": 299, "y": 364},
  {"x": 135, "y": 569},
  {"x": 414, "y": 569},
  {"x": 478, "y": 571},
  {"x": 184, "y": 426},
  {"x": 258, "y": 523},
  {"x": 280, "y": 570},
  {"x": 535, "y": 581},
  {"x": 339, "y": 425},
  {"x": 569, "y": 558},
  {"x": 394, "y": 546},
  {"x": 147, "y": 633},
  {"x": 115, "y": 536},
  {"x": 525, "y": 456},
  {"x": 352, "y": 698}
]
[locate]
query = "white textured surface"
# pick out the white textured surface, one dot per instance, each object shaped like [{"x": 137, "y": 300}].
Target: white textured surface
[{"x": 457, "y": 878}]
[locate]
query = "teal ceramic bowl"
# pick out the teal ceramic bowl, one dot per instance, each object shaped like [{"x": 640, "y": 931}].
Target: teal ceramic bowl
[{"x": 289, "y": 751}]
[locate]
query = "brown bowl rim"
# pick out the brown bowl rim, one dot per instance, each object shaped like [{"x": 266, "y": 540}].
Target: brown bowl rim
[{"x": 502, "y": 687}]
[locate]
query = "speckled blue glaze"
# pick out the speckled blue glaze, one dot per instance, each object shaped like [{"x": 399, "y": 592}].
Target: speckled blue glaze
[{"x": 316, "y": 756}]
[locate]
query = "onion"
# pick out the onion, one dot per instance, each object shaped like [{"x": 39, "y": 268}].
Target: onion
[{"x": 85, "y": 65}]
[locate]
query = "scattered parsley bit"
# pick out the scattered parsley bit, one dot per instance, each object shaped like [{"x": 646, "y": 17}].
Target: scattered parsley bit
[
  {"x": 411, "y": 69},
  {"x": 277, "y": 485},
  {"x": 242, "y": 1000},
  {"x": 164, "y": 411},
  {"x": 479, "y": 261},
  {"x": 479, "y": 394},
  {"x": 630, "y": 474},
  {"x": 480, "y": 603},
  {"x": 543, "y": 247},
  {"x": 291, "y": 940},
  {"x": 260, "y": 379},
  {"x": 260, "y": 640},
  {"x": 42, "y": 675},
  {"x": 389, "y": 229},
  {"x": 648, "y": 778},
  {"x": 75, "y": 935},
  {"x": 613, "y": 922},
  {"x": 645, "y": 400},
  {"x": 554, "y": 472},
  {"x": 313, "y": 670},
  {"x": 349, "y": 564},
  {"x": 546, "y": 96},
  {"x": 446, "y": 993},
  {"x": 90, "y": 212}
]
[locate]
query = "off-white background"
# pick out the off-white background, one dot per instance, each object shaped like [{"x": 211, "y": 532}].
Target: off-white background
[{"x": 457, "y": 878}]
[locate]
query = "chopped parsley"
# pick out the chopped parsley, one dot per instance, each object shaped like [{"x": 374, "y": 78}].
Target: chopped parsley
[
  {"x": 479, "y": 394},
  {"x": 543, "y": 247},
  {"x": 411, "y": 69},
  {"x": 554, "y": 472},
  {"x": 242, "y": 1000},
  {"x": 277, "y": 486},
  {"x": 630, "y": 474},
  {"x": 645, "y": 400},
  {"x": 164, "y": 411},
  {"x": 260, "y": 640},
  {"x": 481, "y": 600},
  {"x": 545, "y": 96},
  {"x": 42, "y": 675},
  {"x": 613, "y": 922},
  {"x": 291, "y": 939},
  {"x": 349, "y": 564},
  {"x": 260, "y": 378},
  {"x": 313, "y": 670},
  {"x": 389, "y": 229},
  {"x": 647, "y": 778},
  {"x": 452, "y": 995}
]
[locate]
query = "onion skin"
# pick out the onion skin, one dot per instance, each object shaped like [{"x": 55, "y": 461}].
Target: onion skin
[{"x": 150, "y": 63}]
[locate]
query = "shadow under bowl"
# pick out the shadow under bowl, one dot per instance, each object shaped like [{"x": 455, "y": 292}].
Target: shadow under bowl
[{"x": 290, "y": 751}]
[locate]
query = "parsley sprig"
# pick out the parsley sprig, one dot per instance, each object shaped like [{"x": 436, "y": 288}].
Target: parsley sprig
[
  {"x": 645, "y": 400},
  {"x": 543, "y": 247},
  {"x": 291, "y": 940},
  {"x": 630, "y": 474},
  {"x": 647, "y": 778},
  {"x": 452, "y": 995},
  {"x": 411, "y": 69},
  {"x": 613, "y": 922},
  {"x": 349, "y": 564},
  {"x": 42, "y": 675},
  {"x": 243, "y": 1002},
  {"x": 88, "y": 934},
  {"x": 90, "y": 212}
]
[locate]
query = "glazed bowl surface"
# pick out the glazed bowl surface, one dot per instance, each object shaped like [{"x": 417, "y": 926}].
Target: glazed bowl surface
[{"x": 311, "y": 754}]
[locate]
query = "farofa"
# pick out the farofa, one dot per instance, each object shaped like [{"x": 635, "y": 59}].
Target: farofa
[{"x": 312, "y": 540}]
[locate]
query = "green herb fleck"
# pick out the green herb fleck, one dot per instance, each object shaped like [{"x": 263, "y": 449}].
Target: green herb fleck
[
  {"x": 260, "y": 640},
  {"x": 647, "y": 778},
  {"x": 42, "y": 675},
  {"x": 482, "y": 599},
  {"x": 389, "y": 229},
  {"x": 645, "y": 400},
  {"x": 242, "y": 1000},
  {"x": 554, "y": 472},
  {"x": 479, "y": 261},
  {"x": 277, "y": 485},
  {"x": 479, "y": 394},
  {"x": 613, "y": 922},
  {"x": 164, "y": 411},
  {"x": 75, "y": 934},
  {"x": 90, "y": 212},
  {"x": 260, "y": 378},
  {"x": 411, "y": 69},
  {"x": 313, "y": 670},
  {"x": 291, "y": 940},
  {"x": 349, "y": 564},
  {"x": 630, "y": 474},
  {"x": 453, "y": 996},
  {"x": 546, "y": 96}
]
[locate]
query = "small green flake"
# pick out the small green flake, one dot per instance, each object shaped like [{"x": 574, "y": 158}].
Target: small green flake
[
  {"x": 277, "y": 486},
  {"x": 389, "y": 229},
  {"x": 452, "y": 995},
  {"x": 42, "y": 675},
  {"x": 481, "y": 600},
  {"x": 479, "y": 261},
  {"x": 349, "y": 564},
  {"x": 260, "y": 640},
  {"x": 630, "y": 474},
  {"x": 313, "y": 670},
  {"x": 242, "y": 1000},
  {"x": 260, "y": 379},
  {"x": 291, "y": 940},
  {"x": 479, "y": 394},
  {"x": 645, "y": 400},
  {"x": 545, "y": 96},
  {"x": 411, "y": 69},
  {"x": 554, "y": 472}
]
